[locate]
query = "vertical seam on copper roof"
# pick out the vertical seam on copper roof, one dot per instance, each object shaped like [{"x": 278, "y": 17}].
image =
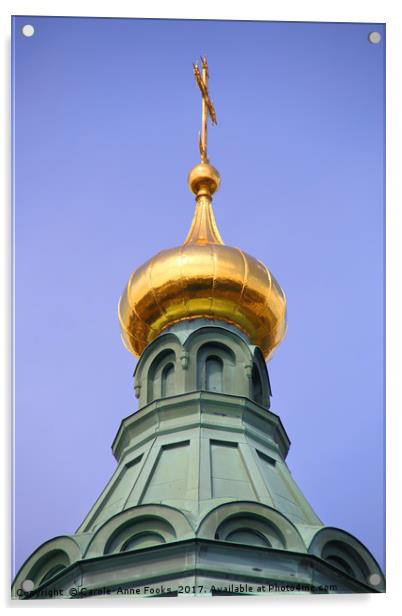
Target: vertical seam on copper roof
[
  {"x": 245, "y": 275},
  {"x": 214, "y": 277},
  {"x": 270, "y": 283},
  {"x": 122, "y": 325},
  {"x": 182, "y": 248},
  {"x": 133, "y": 308},
  {"x": 149, "y": 268}
]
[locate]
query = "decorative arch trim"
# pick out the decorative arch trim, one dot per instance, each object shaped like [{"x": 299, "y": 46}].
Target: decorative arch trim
[
  {"x": 286, "y": 531},
  {"x": 333, "y": 544},
  {"x": 161, "y": 342},
  {"x": 116, "y": 529},
  {"x": 213, "y": 333},
  {"x": 156, "y": 386},
  {"x": 63, "y": 550}
]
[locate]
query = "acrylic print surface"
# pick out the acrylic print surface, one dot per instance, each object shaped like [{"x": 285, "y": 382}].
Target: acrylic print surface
[{"x": 181, "y": 479}]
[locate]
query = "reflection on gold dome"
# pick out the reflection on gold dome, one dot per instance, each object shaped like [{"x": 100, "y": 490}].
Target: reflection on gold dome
[{"x": 203, "y": 278}]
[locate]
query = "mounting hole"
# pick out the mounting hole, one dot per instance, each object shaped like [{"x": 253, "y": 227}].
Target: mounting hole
[
  {"x": 374, "y": 579},
  {"x": 28, "y": 30},
  {"x": 374, "y": 37},
  {"x": 28, "y": 585}
]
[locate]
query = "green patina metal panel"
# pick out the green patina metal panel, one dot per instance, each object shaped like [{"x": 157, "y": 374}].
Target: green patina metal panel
[
  {"x": 169, "y": 476},
  {"x": 117, "y": 496},
  {"x": 229, "y": 476},
  {"x": 280, "y": 493}
]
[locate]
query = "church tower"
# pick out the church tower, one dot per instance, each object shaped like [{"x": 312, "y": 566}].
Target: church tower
[{"x": 202, "y": 500}]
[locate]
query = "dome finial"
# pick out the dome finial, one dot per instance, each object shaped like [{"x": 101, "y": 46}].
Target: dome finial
[
  {"x": 204, "y": 179},
  {"x": 203, "y": 277},
  {"x": 207, "y": 106}
]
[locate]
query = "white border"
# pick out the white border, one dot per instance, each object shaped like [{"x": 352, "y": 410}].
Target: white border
[{"x": 381, "y": 11}]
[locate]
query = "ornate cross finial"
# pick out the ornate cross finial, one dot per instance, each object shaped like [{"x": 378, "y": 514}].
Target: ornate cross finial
[{"x": 207, "y": 106}]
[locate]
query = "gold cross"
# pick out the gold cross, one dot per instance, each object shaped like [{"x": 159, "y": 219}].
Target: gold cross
[{"x": 207, "y": 106}]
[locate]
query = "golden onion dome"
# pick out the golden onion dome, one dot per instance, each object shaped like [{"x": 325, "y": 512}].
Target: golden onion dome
[{"x": 203, "y": 278}]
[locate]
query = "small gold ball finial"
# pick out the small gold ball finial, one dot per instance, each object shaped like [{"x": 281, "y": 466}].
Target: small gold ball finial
[{"x": 204, "y": 179}]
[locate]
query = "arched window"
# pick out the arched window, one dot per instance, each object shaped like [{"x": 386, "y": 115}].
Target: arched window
[
  {"x": 142, "y": 540},
  {"x": 214, "y": 374},
  {"x": 141, "y": 532},
  {"x": 161, "y": 381},
  {"x": 250, "y": 530},
  {"x": 168, "y": 381},
  {"x": 341, "y": 564},
  {"x": 346, "y": 558},
  {"x": 215, "y": 368},
  {"x": 249, "y": 537},
  {"x": 256, "y": 385},
  {"x": 52, "y": 572}
]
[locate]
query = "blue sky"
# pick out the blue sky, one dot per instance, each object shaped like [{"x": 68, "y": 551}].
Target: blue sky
[{"x": 106, "y": 116}]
